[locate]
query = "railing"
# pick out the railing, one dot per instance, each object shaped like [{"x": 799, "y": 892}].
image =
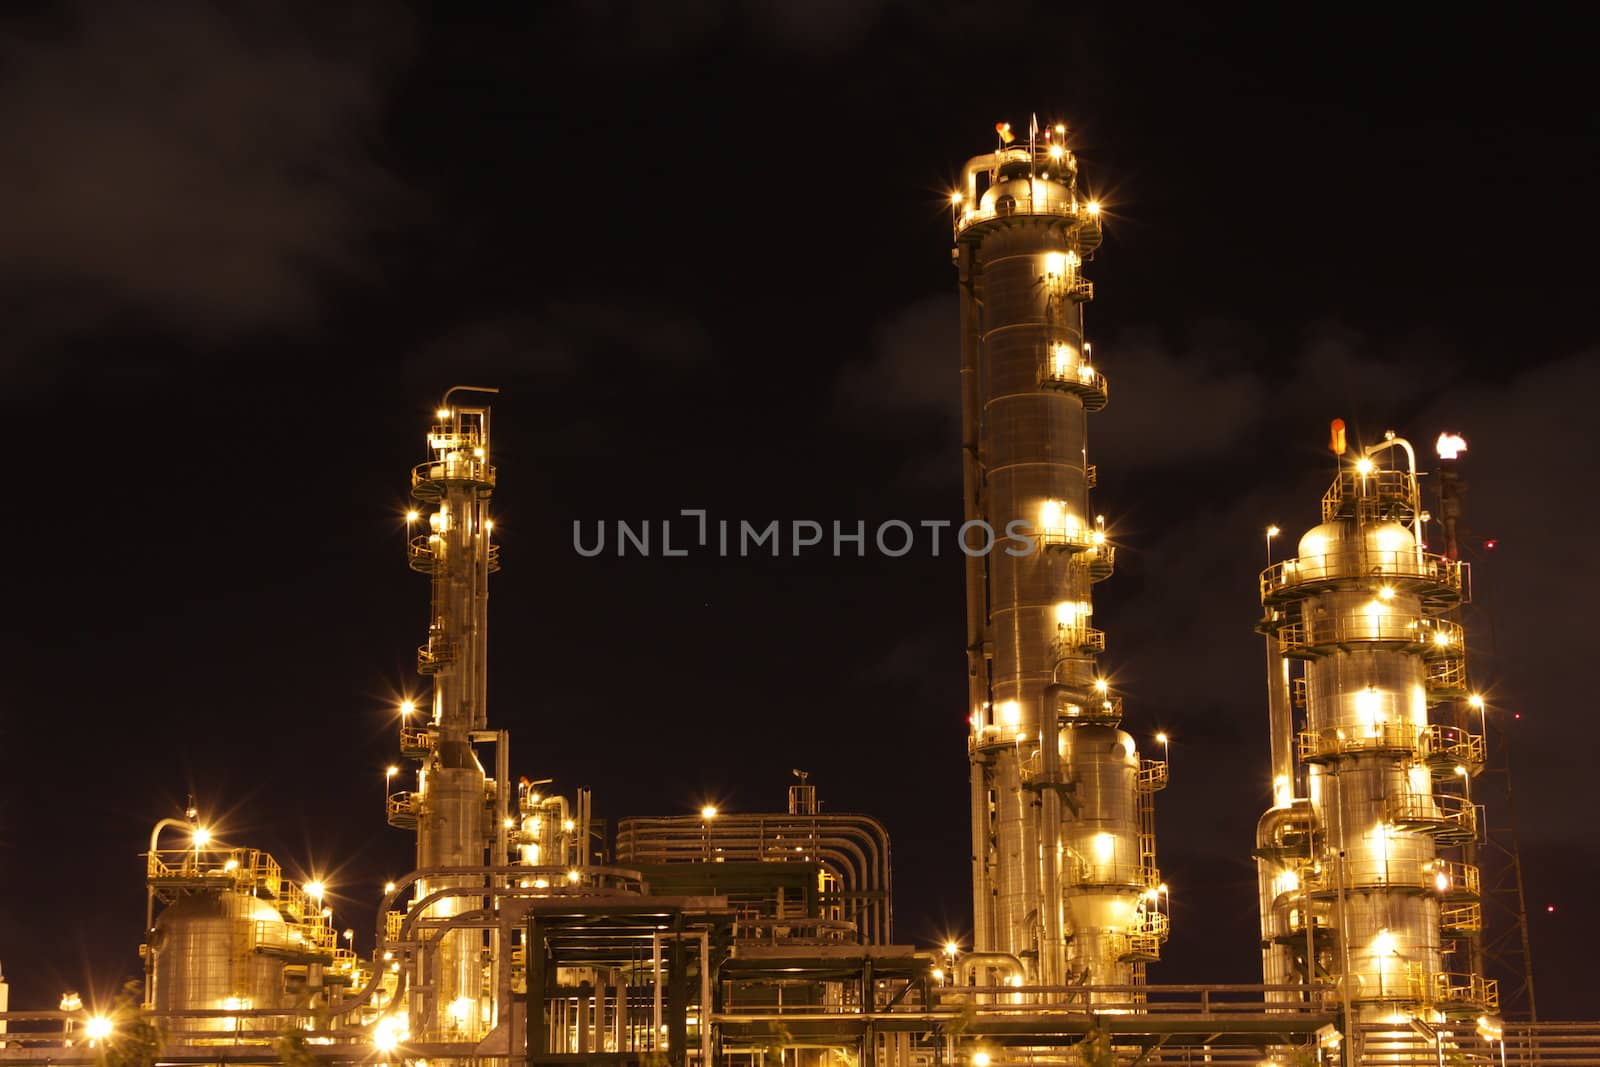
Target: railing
[
  {"x": 1108, "y": 710},
  {"x": 1461, "y": 918},
  {"x": 1082, "y": 872},
  {"x": 1449, "y": 880},
  {"x": 1431, "y": 574},
  {"x": 435, "y": 656},
  {"x": 1152, "y": 775},
  {"x": 1443, "y": 816},
  {"x": 1450, "y": 746},
  {"x": 1446, "y": 677},
  {"x": 429, "y": 479},
  {"x": 402, "y": 809},
  {"x": 1073, "y": 641},
  {"x": 1318, "y": 745},
  {"x": 239, "y": 868},
  {"x": 423, "y": 557},
  {"x": 1073, "y": 537},
  {"x": 1026, "y": 205},
  {"x": 1422, "y": 632},
  {"x": 1453, "y": 990},
  {"x": 1379, "y": 494},
  {"x": 1080, "y": 379},
  {"x": 415, "y": 740}
]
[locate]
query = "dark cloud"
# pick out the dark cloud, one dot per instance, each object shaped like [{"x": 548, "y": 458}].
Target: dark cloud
[
  {"x": 208, "y": 169},
  {"x": 817, "y": 27},
  {"x": 562, "y": 337}
]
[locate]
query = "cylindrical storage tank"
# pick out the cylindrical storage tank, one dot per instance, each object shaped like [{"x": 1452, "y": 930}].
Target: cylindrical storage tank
[
  {"x": 1102, "y": 866},
  {"x": 207, "y": 958}
]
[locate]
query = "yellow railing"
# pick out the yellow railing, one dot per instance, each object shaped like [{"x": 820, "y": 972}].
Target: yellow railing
[
  {"x": 1351, "y": 489},
  {"x": 1454, "y": 880},
  {"x": 1461, "y": 918},
  {"x": 1435, "y": 813},
  {"x": 1390, "y": 736},
  {"x": 1450, "y": 743},
  {"x": 1452, "y": 988},
  {"x": 1152, "y": 775},
  {"x": 1078, "y": 640},
  {"x": 1357, "y": 564},
  {"x": 1024, "y": 205}
]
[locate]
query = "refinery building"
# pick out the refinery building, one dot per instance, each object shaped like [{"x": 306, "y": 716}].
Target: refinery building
[{"x": 529, "y": 932}]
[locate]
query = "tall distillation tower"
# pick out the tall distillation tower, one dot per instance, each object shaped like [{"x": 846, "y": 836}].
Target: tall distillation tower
[
  {"x": 1358, "y": 868},
  {"x": 454, "y": 809},
  {"x": 1063, "y": 843}
]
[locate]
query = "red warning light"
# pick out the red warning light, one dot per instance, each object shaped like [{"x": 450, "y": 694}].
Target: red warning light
[{"x": 1489, "y": 544}]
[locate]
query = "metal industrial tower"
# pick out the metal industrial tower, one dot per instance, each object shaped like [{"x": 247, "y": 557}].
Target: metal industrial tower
[{"x": 1065, "y": 883}]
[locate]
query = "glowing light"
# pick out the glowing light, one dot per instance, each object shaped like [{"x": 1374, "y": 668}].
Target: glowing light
[
  {"x": 956, "y": 198},
  {"x": 461, "y": 1010},
  {"x": 1450, "y": 445},
  {"x": 1011, "y": 713},
  {"x": 1441, "y": 882},
  {"x": 1161, "y": 739},
  {"x": 573, "y": 877},
  {"x": 1475, "y": 702},
  {"x": 1364, "y": 465},
  {"x": 569, "y": 825},
  {"x": 231, "y": 865},
  {"x": 1101, "y": 685},
  {"x": 349, "y": 935},
  {"x": 1056, "y": 151},
  {"x": 388, "y": 887},
  {"x": 412, "y": 516},
  {"x": 937, "y": 974},
  {"x": 1055, "y": 264},
  {"x": 1060, "y": 130},
  {"x": 1094, "y": 207},
  {"x": 71, "y": 1002},
  {"x": 1384, "y": 943},
  {"x": 388, "y": 1032},
  {"x": 391, "y": 771},
  {"x": 1386, "y": 593},
  {"x": 951, "y": 948},
  {"x": 980, "y": 1059},
  {"x": 708, "y": 812},
  {"x": 98, "y": 1028},
  {"x": 443, "y": 413},
  {"x": 314, "y": 890},
  {"x": 407, "y": 707},
  {"x": 1462, "y": 771},
  {"x": 1441, "y": 638},
  {"x": 509, "y": 823},
  {"x": 1105, "y": 846},
  {"x": 201, "y": 837}
]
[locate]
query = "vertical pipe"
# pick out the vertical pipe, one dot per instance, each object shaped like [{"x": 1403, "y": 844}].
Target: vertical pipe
[{"x": 1280, "y": 724}]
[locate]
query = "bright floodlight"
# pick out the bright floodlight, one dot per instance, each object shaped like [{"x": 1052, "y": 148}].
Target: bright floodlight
[
  {"x": 980, "y": 1059},
  {"x": 1475, "y": 702},
  {"x": 708, "y": 812},
  {"x": 315, "y": 890},
  {"x": 407, "y": 707},
  {"x": 201, "y": 837},
  {"x": 1161, "y": 739},
  {"x": 951, "y": 948},
  {"x": 98, "y": 1028},
  {"x": 1450, "y": 445}
]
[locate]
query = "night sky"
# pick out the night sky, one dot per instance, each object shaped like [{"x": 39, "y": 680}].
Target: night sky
[{"x": 703, "y": 250}]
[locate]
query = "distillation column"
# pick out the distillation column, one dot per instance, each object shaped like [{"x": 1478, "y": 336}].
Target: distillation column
[
  {"x": 1063, "y": 844},
  {"x": 451, "y": 808},
  {"x": 1360, "y": 882}
]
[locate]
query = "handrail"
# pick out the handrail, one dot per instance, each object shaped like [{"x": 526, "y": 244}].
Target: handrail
[{"x": 1360, "y": 564}]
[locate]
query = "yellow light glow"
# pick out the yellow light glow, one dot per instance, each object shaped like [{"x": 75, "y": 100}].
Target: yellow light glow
[
  {"x": 314, "y": 890},
  {"x": 461, "y": 1010},
  {"x": 98, "y": 1028},
  {"x": 1010, "y": 713},
  {"x": 1056, "y": 151},
  {"x": 509, "y": 823},
  {"x": 951, "y": 948},
  {"x": 956, "y": 198},
  {"x": 388, "y": 1032},
  {"x": 1161, "y": 739},
  {"x": 569, "y": 826},
  {"x": 1441, "y": 638},
  {"x": 388, "y": 887},
  {"x": 477, "y": 453},
  {"x": 573, "y": 876},
  {"x": 391, "y": 771},
  {"x": 708, "y": 812},
  {"x": 231, "y": 865},
  {"x": 937, "y": 974},
  {"x": 1101, "y": 685},
  {"x": 1386, "y": 593},
  {"x": 1364, "y": 465},
  {"x": 1441, "y": 882},
  {"x": 1094, "y": 207},
  {"x": 1105, "y": 846},
  {"x": 201, "y": 837},
  {"x": 1450, "y": 445},
  {"x": 407, "y": 707},
  {"x": 980, "y": 1059},
  {"x": 413, "y": 516},
  {"x": 1384, "y": 943},
  {"x": 1273, "y": 531},
  {"x": 1475, "y": 702},
  {"x": 443, "y": 413},
  {"x": 1055, "y": 264},
  {"x": 1060, "y": 129}
]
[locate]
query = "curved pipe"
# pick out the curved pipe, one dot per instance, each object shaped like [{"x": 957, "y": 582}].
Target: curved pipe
[{"x": 968, "y": 965}]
